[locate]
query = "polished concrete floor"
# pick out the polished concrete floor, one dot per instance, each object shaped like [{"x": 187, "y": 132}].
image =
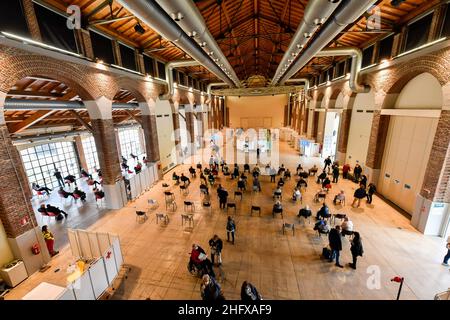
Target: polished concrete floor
[{"x": 280, "y": 266}]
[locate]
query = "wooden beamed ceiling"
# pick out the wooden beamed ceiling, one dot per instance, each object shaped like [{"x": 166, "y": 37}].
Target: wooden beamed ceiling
[{"x": 253, "y": 34}]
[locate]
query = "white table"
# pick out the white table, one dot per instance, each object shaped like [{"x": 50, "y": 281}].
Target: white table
[{"x": 45, "y": 291}]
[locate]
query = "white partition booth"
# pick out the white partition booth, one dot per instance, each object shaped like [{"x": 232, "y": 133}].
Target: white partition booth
[
  {"x": 141, "y": 182},
  {"x": 102, "y": 262}
]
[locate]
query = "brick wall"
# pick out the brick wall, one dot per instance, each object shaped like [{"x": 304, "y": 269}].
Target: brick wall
[
  {"x": 14, "y": 187},
  {"x": 151, "y": 137},
  {"x": 105, "y": 142},
  {"x": 344, "y": 130}
]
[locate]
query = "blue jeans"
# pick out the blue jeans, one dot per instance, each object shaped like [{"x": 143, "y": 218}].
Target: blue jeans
[
  {"x": 447, "y": 256},
  {"x": 335, "y": 254}
]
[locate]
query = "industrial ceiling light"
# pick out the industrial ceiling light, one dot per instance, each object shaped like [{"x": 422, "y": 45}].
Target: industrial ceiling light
[
  {"x": 193, "y": 34},
  {"x": 308, "y": 35},
  {"x": 139, "y": 29},
  {"x": 397, "y": 3},
  {"x": 319, "y": 21},
  {"x": 177, "y": 16}
]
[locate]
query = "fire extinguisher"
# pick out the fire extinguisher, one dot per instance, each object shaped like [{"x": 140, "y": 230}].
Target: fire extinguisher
[{"x": 35, "y": 249}]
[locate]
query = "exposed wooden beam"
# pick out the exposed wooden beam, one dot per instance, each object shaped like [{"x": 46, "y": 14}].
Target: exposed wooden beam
[
  {"x": 24, "y": 93},
  {"x": 29, "y": 121},
  {"x": 82, "y": 121},
  {"x": 135, "y": 118}
]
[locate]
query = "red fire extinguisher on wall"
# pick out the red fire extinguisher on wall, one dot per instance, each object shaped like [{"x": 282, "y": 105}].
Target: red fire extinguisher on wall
[{"x": 35, "y": 249}]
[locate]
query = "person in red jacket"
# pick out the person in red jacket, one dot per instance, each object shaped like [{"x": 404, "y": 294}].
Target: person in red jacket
[{"x": 345, "y": 170}]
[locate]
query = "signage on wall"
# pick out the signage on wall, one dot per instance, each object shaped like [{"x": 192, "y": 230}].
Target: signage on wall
[{"x": 438, "y": 205}]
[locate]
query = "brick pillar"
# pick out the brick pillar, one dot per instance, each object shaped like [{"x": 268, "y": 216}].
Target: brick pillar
[
  {"x": 32, "y": 22},
  {"x": 305, "y": 120},
  {"x": 433, "y": 202},
  {"x": 148, "y": 118},
  {"x": 344, "y": 130},
  {"x": 315, "y": 127},
  {"x": 16, "y": 213},
  {"x": 80, "y": 151},
  {"x": 100, "y": 112},
  {"x": 377, "y": 141},
  {"x": 84, "y": 43},
  {"x": 190, "y": 124}
]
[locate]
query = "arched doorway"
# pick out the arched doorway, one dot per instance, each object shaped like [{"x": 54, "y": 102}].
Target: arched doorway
[{"x": 413, "y": 120}]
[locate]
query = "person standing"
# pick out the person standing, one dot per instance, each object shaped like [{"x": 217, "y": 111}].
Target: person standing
[
  {"x": 334, "y": 238},
  {"x": 223, "y": 196},
  {"x": 231, "y": 228},
  {"x": 357, "y": 172},
  {"x": 359, "y": 194},
  {"x": 49, "y": 240},
  {"x": 327, "y": 162},
  {"x": 335, "y": 173},
  {"x": 345, "y": 170},
  {"x": 59, "y": 177},
  {"x": 447, "y": 256},
  {"x": 371, "y": 190},
  {"x": 356, "y": 249},
  {"x": 210, "y": 290},
  {"x": 216, "y": 245},
  {"x": 249, "y": 292},
  {"x": 273, "y": 173}
]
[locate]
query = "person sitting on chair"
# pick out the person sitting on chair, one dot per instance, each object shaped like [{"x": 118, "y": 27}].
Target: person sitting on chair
[
  {"x": 277, "y": 192},
  {"x": 80, "y": 193},
  {"x": 281, "y": 169},
  {"x": 192, "y": 172},
  {"x": 185, "y": 179},
  {"x": 43, "y": 210},
  {"x": 225, "y": 170},
  {"x": 211, "y": 178},
  {"x": 287, "y": 174},
  {"x": 55, "y": 210},
  {"x": 313, "y": 170},
  {"x": 235, "y": 171},
  {"x": 299, "y": 169},
  {"x": 256, "y": 172},
  {"x": 326, "y": 184},
  {"x": 322, "y": 226},
  {"x": 347, "y": 227},
  {"x": 297, "y": 195},
  {"x": 176, "y": 178},
  {"x": 99, "y": 194},
  {"x": 246, "y": 167},
  {"x": 133, "y": 156},
  {"x": 340, "y": 197},
  {"x": 324, "y": 212},
  {"x": 204, "y": 188},
  {"x": 125, "y": 166},
  {"x": 92, "y": 182},
  {"x": 38, "y": 188},
  {"x": 302, "y": 183},
  {"x": 199, "y": 167},
  {"x": 241, "y": 184},
  {"x": 138, "y": 167},
  {"x": 277, "y": 207},
  {"x": 280, "y": 182},
  {"x": 202, "y": 178},
  {"x": 63, "y": 193},
  {"x": 84, "y": 173},
  {"x": 256, "y": 185},
  {"x": 321, "y": 177},
  {"x": 71, "y": 178},
  {"x": 305, "y": 212}
]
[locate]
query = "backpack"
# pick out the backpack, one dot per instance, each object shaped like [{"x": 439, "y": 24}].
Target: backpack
[{"x": 326, "y": 253}]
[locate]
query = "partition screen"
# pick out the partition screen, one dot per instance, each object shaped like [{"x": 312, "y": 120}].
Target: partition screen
[{"x": 41, "y": 161}]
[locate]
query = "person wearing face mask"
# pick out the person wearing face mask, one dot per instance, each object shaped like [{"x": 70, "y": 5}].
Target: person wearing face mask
[{"x": 249, "y": 292}]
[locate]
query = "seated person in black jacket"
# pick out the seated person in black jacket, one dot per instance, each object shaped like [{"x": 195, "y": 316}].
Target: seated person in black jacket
[
  {"x": 43, "y": 210},
  {"x": 277, "y": 207},
  {"x": 280, "y": 182},
  {"x": 185, "y": 179},
  {"x": 192, "y": 172},
  {"x": 99, "y": 194},
  {"x": 80, "y": 193},
  {"x": 204, "y": 188},
  {"x": 176, "y": 177},
  {"x": 324, "y": 212},
  {"x": 55, "y": 210},
  {"x": 84, "y": 173},
  {"x": 321, "y": 177},
  {"x": 246, "y": 167},
  {"x": 63, "y": 193},
  {"x": 325, "y": 182},
  {"x": 71, "y": 178},
  {"x": 38, "y": 188},
  {"x": 302, "y": 183},
  {"x": 304, "y": 212},
  {"x": 241, "y": 185}
]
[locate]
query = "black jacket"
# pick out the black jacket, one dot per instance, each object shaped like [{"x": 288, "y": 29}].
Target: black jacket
[
  {"x": 357, "y": 248},
  {"x": 372, "y": 189},
  {"x": 360, "y": 193},
  {"x": 335, "y": 240},
  {"x": 223, "y": 194},
  {"x": 218, "y": 244}
]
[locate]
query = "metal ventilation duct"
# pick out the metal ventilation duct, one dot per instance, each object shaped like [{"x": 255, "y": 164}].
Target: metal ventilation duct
[
  {"x": 189, "y": 18},
  {"x": 316, "y": 13},
  {"x": 156, "y": 18},
  {"x": 346, "y": 13}
]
